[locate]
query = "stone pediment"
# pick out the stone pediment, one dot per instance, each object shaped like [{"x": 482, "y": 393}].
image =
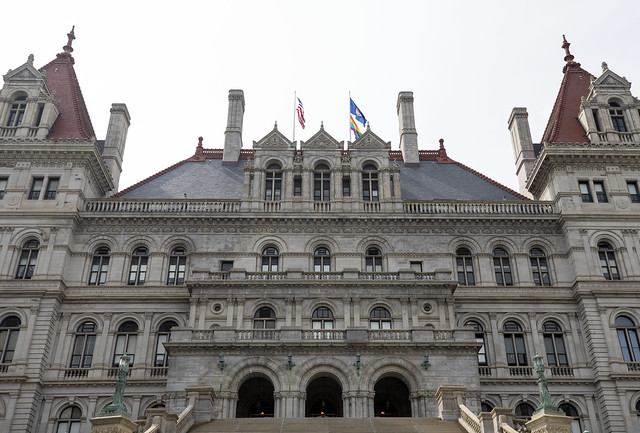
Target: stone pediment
[
  {"x": 321, "y": 140},
  {"x": 369, "y": 140},
  {"x": 26, "y": 72},
  {"x": 609, "y": 82},
  {"x": 274, "y": 140}
]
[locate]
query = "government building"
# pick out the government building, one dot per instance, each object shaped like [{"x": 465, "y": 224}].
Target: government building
[{"x": 281, "y": 284}]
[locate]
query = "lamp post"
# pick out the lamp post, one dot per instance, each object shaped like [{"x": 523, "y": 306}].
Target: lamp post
[
  {"x": 545, "y": 399},
  {"x": 221, "y": 363},
  {"x": 426, "y": 364}
]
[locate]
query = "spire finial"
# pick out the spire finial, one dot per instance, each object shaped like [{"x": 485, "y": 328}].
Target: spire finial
[
  {"x": 565, "y": 45},
  {"x": 441, "y": 143},
  {"x": 275, "y": 125},
  {"x": 322, "y": 124},
  {"x": 71, "y": 36},
  {"x": 604, "y": 66}
]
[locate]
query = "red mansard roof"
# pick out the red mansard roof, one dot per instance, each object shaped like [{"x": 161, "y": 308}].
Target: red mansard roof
[
  {"x": 563, "y": 125},
  {"x": 74, "y": 121}
]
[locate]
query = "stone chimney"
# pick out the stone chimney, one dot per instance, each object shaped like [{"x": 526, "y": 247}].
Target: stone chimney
[
  {"x": 115, "y": 141},
  {"x": 408, "y": 134},
  {"x": 522, "y": 146},
  {"x": 233, "y": 133}
]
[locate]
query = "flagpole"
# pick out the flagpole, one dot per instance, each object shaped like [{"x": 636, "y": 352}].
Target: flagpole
[
  {"x": 349, "y": 116},
  {"x": 295, "y": 99}
]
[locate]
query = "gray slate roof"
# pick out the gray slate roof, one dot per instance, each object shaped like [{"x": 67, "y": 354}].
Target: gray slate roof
[{"x": 210, "y": 179}]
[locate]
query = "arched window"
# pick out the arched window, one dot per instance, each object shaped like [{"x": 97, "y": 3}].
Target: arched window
[
  {"x": 273, "y": 182},
  {"x": 524, "y": 411},
  {"x": 617, "y": 117},
  {"x": 27, "y": 262},
  {"x": 270, "y": 258},
  {"x": 571, "y": 411},
  {"x": 18, "y": 108},
  {"x": 69, "y": 420},
  {"x": 608, "y": 262},
  {"x": 99, "y": 266},
  {"x": 9, "y": 330},
  {"x": 380, "y": 318},
  {"x": 264, "y": 318},
  {"x": 502, "y": 267},
  {"x": 464, "y": 265},
  {"x": 321, "y": 260},
  {"x": 126, "y": 339},
  {"x": 482, "y": 353},
  {"x": 514, "y": 344},
  {"x": 322, "y": 318},
  {"x": 370, "y": 183},
  {"x": 373, "y": 260},
  {"x": 85, "y": 342},
  {"x": 177, "y": 266},
  {"x": 138, "y": 268},
  {"x": 164, "y": 335},
  {"x": 322, "y": 183},
  {"x": 485, "y": 406},
  {"x": 554, "y": 345},
  {"x": 628, "y": 338},
  {"x": 539, "y": 267}
]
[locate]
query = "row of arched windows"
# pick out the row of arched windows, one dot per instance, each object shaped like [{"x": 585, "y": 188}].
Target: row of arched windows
[
  {"x": 321, "y": 183},
  {"x": 322, "y": 318}
]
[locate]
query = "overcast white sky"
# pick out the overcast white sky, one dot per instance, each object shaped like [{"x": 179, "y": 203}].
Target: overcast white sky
[{"x": 467, "y": 62}]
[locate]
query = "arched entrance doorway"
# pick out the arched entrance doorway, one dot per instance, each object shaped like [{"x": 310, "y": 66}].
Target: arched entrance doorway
[
  {"x": 255, "y": 399},
  {"x": 324, "y": 398},
  {"x": 391, "y": 398}
]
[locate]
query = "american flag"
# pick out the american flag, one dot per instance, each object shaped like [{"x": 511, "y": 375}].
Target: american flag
[{"x": 300, "y": 111}]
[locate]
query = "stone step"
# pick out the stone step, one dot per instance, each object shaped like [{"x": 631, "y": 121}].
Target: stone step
[{"x": 328, "y": 425}]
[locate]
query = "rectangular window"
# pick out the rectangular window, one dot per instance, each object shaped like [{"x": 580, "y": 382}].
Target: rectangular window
[
  {"x": 585, "y": 191},
  {"x": 632, "y": 187},
  {"x": 392, "y": 186},
  {"x": 346, "y": 187},
  {"x": 416, "y": 266},
  {"x": 601, "y": 194},
  {"x": 36, "y": 187},
  {"x": 52, "y": 188},
  {"x": 297, "y": 186},
  {"x": 3, "y": 186},
  {"x": 226, "y": 265}
]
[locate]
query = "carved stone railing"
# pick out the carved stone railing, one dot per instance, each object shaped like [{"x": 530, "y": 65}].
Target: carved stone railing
[
  {"x": 561, "y": 371},
  {"x": 186, "y": 419},
  {"x": 241, "y": 274},
  {"x": 258, "y": 334},
  {"x": 322, "y": 206},
  {"x": 202, "y": 335},
  {"x": 519, "y": 426},
  {"x": 158, "y": 371},
  {"x": 484, "y": 370},
  {"x": 371, "y": 206},
  {"x": 167, "y": 206},
  {"x": 76, "y": 373},
  {"x": 464, "y": 207},
  {"x": 443, "y": 334},
  {"x": 266, "y": 275},
  {"x": 520, "y": 371},
  {"x": 469, "y": 421},
  {"x": 322, "y": 275},
  {"x": 633, "y": 366},
  {"x": 388, "y": 334},
  {"x": 323, "y": 334},
  {"x": 378, "y": 276}
]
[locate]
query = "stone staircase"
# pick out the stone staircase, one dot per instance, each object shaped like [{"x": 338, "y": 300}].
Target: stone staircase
[{"x": 328, "y": 425}]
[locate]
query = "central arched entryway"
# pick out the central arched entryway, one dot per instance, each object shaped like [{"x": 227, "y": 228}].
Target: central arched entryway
[
  {"x": 255, "y": 399},
  {"x": 391, "y": 398},
  {"x": 324, "y": 398}
]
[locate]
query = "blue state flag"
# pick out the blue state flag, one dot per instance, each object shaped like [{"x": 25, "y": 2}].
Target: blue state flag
[{"x": 357, "y": 113}]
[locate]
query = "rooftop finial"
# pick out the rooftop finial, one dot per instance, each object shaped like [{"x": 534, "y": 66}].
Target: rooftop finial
[
  {"x": 565, "y": 45},
  {"x": 441, "y": 143},
  {"x": 604, "y": 66},
  {"x": 275, "y": 125},
  {"x": 71, "y": 36},
  {"x": 30, "y": 59}
]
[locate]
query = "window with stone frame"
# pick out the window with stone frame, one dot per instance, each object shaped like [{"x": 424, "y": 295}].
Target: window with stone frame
[
  {"x": 502, "y": 267},
  {"x": 380, "y": 318},
  {"x": 273, "y": 183},
  {"x": 601, "y": 193},
  {"x": 99, "y": 266},
  {"x": 608, "y": 263},
  {"x": 27, "y": 260},
  {"x": 617, "y": 117},
  {"x": 3, "y": 186},
  {"x": 634, "y": 193},
  {"x": 480, "y": 338},
  {"x": 9, "y": 332},
  {"x": 126, "y": 339},
  {"x": 70, "y": 420},
  {"x": 554, "y": 344},
  {"x": 628, "y": 339},
  {"x": 571, "y": 411},
  {"x": 17, "y": 110},
  {"x": 539, "y": 267},
  {"x": 36, "y": 188},
  {"x": 138, "y": 266},
  {"x": 585, "y": 191},
  {"x": 464, "y": 267},
  {"x": 53, "y": 183},
  {"x": 373, "y": 259},
  {"x": 322, "y": 183},
  {"x": 322, "y": 318},
  {"x": 270, "y": 259},
  {"x": 370, "y": 183},
  {"x": 83, "y": 345},
  {"x": 177, "y": 267},
  {"x": 321, "y": 260},
  {"x": 524, "y": 411},
  {"x": 264, "y": 318},
  {"x": 161, "y": 358},
  {"x": 514, "y": 342}
]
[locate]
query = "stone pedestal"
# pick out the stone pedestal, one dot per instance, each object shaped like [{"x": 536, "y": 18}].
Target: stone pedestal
[
  {"x": 449, "y": 400},
  {"x": 550, "y": 422},
  {"x": 116, "y": 423}
]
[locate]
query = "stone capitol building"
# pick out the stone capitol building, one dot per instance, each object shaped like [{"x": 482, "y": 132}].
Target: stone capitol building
[{"x": 347, "y": 282}]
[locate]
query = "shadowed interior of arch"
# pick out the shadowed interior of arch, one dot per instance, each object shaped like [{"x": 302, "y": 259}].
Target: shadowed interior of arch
[
  {"x": 391, "y": 398},
  {"x": 324, "y": 398},
  {"x": 255, "y": 399}
]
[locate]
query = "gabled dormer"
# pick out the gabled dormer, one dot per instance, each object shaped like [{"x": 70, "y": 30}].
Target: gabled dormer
[
  {"x": 609, "y": 113},
  {"x": 28, "y": 108}
]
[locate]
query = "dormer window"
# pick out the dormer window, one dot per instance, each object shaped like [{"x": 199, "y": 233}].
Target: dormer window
[
  {"x": 18, "y": 107},
  {"x": 370, "y": 183},
  {"x": 617, "y": 117},
  {"x": 321, "y": 183},
  {"x": 273, "y": 183}
]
